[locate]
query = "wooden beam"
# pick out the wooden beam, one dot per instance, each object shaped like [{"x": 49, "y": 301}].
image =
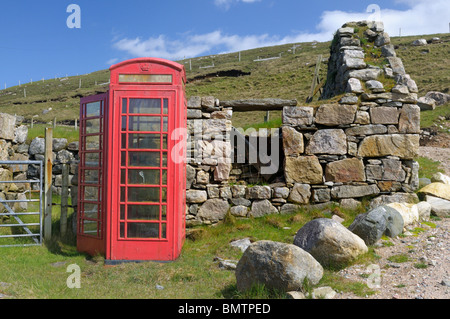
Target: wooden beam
[{"x": 48, "y": 165}]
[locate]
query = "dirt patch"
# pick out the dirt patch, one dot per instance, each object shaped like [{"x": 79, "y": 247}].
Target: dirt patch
[{"x": 415, "y": 266}]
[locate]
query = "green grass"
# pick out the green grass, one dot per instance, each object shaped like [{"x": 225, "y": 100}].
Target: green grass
[
  {"x": 428, "y": 118},
  {"x": 401, "y": 258},
  {"x": 68, "y": 132},
  {"x": 41, "y": 272},
  {"x": 428, "y": 167}
]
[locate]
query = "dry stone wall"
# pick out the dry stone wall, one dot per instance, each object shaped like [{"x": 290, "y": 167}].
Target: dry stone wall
[{"x": 362, "y": 146}]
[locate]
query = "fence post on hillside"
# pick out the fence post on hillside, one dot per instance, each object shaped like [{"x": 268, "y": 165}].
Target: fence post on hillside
[
  {"x": 64, "y": 198},
  {"x": 48, "y": 165}
]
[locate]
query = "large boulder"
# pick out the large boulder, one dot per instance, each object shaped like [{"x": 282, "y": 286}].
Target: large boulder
[
  {"x": 329, "y": 242},
  {"x": 409, "y": 212},
  {"x": 439, "y": 207},
  {"x": 276, "y": 265},
  {"x": 437, "y": 189},
  {"x": 213, "y": 210},
  {"x": 372, "y": 225}
]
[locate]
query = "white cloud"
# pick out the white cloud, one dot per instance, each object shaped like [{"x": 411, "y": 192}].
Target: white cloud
[{"x": 422, "y": 17}]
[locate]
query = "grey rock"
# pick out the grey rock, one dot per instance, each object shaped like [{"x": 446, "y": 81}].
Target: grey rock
[
  {"x": 426, "y": 103},
  {"x": 261, "y": 208},
  {"x": 302, "y": 115},
  {"x": 37, "y": 146},
  {"x": 300, "y": 194},
  {"x": 351, "y": 191},
  {"x": 328, "y": 141},
  {"x": 439, "y": 207},
  {"x": 7, "y": 126},
  {"x": 239, "y": 211},
  {"x": 354, "y": 86},
  {"x": 196, "y": 196},
  {"x": 259, "y": 192},
  {"x": 439, "y": 97},
  {"x": 330, "y": 243},
  {"x": 190, "y": 176},
  {"x": 213, "y": 210},
  {"x": 335, "y": 114},
  {"x": 59, "y": 144},
  {"x": 240, "y": 201},
  {"x": 382, "y": 39},
  {"x": 20, "y": 134},
  {"x": 364, "y": 130},
  {"x": 419, "y": 42},
  {"x": 375, "y": 86},
  {"x": 276, "y": 265},
  {"x": 388, "y": 50}
]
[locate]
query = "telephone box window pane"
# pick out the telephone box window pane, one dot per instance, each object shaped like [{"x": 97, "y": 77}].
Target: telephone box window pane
[
  {"x": 124, "y": 123},
  {"x": 142, "y": 230},
  {"x": 92, "y": 126},
  {"x": 90, "y": 227},
  {"x": 91, "y": 176},
  {"x": 92, "y": 159},
  {"x": 122, "y": 230},
  {"x": 163, "y": 212},
  {"x": 165, "y": 124},
  {"x": 92, "y": 142},
  {"x": 141, "y": 194},
  {"x": 122, "y": 194},
  {"x": 123, "y": 158},
  {"x": 144, "y": 123},
  {"x": 145, "y": 78},
  {"x": 165, "y": 106},
  {"x": 150, "y": 159},
  {"x": 91, "y": 211},
  {"x": 143, "y": 177},
  {"x": 122, "y": 212},
  {"x": 123, "y": 174},
  {"x": 163, "y": 231},
  {"x": 124, "y": 140},
  {"x": 145, "y": 106},
  {"x": 164, "y": 159},
  {"x": 93, "y": 109},
  {"x": 144, "y": 141},
  {"x": 164, "y": 177},
  {"x": 164, "y": 146},
  {"x": 124, "y": 106},
  {"x": 164, "y": 195},
  {"x": 143, "y": 212},
  {"x": 91, "y": 193}
]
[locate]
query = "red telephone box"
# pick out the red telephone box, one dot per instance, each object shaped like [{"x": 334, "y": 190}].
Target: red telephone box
[{"x": 132, "y": 171}]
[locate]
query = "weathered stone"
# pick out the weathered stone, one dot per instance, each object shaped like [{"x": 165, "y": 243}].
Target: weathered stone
[
  {"x": 213, "y": 210},
  {"x": 405, "y": 146},
  {"x": 292, "y": 141},
  {"x": 276, "y": 265},
  {"x": 329, "y": 141},
  {"x": 364, "y": 74},
  {"x": 377, "y": 222},
  {"x": 222, "y": 171},
  {"x": 194, "y": 114},
  {"x": 348, "y": 31},
  {"x": 202, "y": 177},
  {"x": 261, "y": 208},
  {"x": 419, "y": 42},
  {"x": 7, "y": 125},
  {"x": 37, "y": 146},
  {"x": 240, "y": 201},
  {"x": 396, "y": 97},
  {"x": 409, "y": 212},
  {"x": 190, "y": 176},
  {"x": 5, "y": 175},
  {"x": 194, "y": 102},
  {"x": 280, "y": 192},
  {"x": 335, "y": 114},
  {"x": 347, "y": 170},
  {"x": 298, "y": 115},
  {"x": 426, "y": 103},
  {"x": 259, "y": 192},
  {"x": 321, "y": 195},
  {"x": 351, "y": 191},
  {"x": 392, "y": 170},
  {"x": 382, "y": 39},
  {"x": 384, "y": 115},
  {"x": 239, "y": 211},
  {"x": 209, "y": 103},
  {"x": 354, "y": 86},
  {"x": 349, "y": 98},
  {"x": 196, "y": 196},
  {"x": 396, "y": 65},
  {"x": 303, "y": 169},
  {"x": 349, "y": 203},
  {"x": 394, "y": 198},
  {"x": 330, "y": 243},
  {"x": 354, "y": 63},
  {"x": 440, "y": 178},
  {"x": 20, "y": 134},
  {"x": 366, "y": 130},
  {"x": 388, "y": 50},
  {"x": 216, "y": 126},
  {"x": 424, "y": 210},
  {"x": 375, "y": 86},
  {"x": 439, "y": 207},
  {"x": 436, "y": 189},
  {"x": 362, "y": 117},
  {"x": 238, "y": 190},
  {"x": 300, "y": 194},
  {"x": 289, "y": 208},
  {"x": 64, "y": 156},
  {"x": 439, "y": 97},
  {"x": 374, "y": 172},
  {"x": 409, "y": 121}
]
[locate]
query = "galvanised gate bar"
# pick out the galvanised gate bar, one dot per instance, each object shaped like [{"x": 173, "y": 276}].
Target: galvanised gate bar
[{"x": 132, "y": 178}]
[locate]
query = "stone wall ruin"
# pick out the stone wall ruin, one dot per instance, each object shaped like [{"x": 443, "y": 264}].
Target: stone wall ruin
[{"x": 363, "y": 146}]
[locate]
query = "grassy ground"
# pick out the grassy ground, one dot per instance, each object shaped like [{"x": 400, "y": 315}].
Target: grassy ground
[{"x": 41, "y": 272}]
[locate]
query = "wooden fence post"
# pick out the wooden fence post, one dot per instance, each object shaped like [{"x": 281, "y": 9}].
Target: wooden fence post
[
  {"x": 48, "y": 164},
  {"x": 64, "y": 198}
]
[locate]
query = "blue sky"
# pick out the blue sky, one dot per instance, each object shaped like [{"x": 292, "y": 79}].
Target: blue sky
[{"x": 36, "y": 42}]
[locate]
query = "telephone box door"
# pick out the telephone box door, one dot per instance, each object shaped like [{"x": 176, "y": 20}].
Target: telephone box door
[
  {"x": 91, "y": 187},
  {"x": 142, "y": 224}
]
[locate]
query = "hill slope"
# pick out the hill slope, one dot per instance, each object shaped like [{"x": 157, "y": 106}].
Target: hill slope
[{"x": 281, "y": 72}]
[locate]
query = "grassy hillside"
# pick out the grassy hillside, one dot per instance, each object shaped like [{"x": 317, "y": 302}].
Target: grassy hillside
[{"x": 288, "y": 76}]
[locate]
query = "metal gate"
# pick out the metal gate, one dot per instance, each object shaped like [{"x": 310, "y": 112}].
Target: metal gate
[{"x": 15, "y": 228}]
